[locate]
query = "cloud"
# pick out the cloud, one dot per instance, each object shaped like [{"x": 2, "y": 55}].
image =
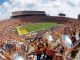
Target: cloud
[
  {"x": 76, "y": 2},
  {"x": 52, "y": 7},
  {"x": 5, "y": 10},
  {"x": 25, "y": 1}
]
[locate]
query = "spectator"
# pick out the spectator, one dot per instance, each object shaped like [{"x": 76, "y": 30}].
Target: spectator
[
  {"x": 50, "y": 54},
  {"x": 39, "y": 52}
]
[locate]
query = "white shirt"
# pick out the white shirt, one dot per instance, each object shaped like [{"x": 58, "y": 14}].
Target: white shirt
[{"x": 67, "y": 41}]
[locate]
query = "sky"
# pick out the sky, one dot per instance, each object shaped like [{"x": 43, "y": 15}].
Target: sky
[{"x": 52, "y": 7}]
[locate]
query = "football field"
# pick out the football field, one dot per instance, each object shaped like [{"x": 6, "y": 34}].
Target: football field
[{"x": 38, "y": 26}]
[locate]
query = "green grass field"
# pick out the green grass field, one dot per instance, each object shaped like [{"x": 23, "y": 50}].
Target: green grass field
[{"x": 39, "y": 26}]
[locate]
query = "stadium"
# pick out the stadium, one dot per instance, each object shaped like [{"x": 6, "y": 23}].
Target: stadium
[{"x": 34, "y": 35}]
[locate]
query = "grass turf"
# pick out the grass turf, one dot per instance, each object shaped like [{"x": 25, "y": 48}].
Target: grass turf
[{"x": 39, "y": 26}]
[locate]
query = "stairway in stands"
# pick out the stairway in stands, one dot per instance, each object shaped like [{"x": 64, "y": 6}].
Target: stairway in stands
[{"x": 77, "y": 56}]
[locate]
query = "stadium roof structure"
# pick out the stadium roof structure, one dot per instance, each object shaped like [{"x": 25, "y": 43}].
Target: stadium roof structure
[{"x": 28, "y": 13}]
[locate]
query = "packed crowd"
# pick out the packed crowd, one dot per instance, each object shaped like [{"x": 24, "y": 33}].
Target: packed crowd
[{"x": 53, "y": 44}]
